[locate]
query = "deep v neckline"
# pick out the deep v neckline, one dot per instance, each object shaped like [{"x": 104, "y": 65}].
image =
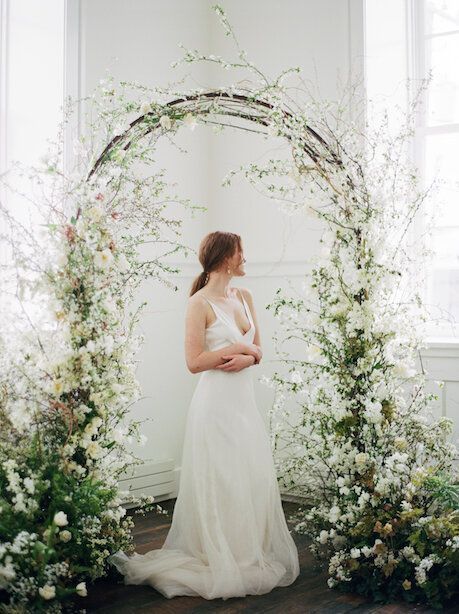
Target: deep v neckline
[{"x": 232, "y": 320}]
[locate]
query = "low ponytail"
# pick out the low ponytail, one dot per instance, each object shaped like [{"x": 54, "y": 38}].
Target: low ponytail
[
  {"x": 198, "y": 283},
  {"x": 214, "y": 249}
]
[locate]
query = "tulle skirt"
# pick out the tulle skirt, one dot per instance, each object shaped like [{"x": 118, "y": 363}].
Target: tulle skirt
[{"x": 228, "y": 536}]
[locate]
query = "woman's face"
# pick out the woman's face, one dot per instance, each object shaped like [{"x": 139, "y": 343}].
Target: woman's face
[{"x": 236, "y": 263}]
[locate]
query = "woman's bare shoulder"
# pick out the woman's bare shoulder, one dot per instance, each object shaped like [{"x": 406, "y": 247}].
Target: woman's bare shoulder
[
  {"x": 197, "y": 296},
  {"x": 197, "y": 301}
]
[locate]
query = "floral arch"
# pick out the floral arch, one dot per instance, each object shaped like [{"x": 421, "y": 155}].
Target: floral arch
[
  {"x": 382, "y": 501},
  {"x": 220, "y": 103}
]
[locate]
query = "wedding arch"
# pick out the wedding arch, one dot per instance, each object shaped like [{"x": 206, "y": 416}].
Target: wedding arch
[
  {"x": 382, "y": 506},
  {"x": 222, "y": 103}
]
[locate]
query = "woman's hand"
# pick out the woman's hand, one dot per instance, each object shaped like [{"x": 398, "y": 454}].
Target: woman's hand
[
  {"x": 252, "y": 350},
  {"x": 236, "y": 362}
]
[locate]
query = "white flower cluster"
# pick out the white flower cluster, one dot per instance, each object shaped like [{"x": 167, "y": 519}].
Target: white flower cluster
[
  {"x": 337, "y": 568},
  {"x": 22, "y": 489},
  {"x": 424, "y": 566}
]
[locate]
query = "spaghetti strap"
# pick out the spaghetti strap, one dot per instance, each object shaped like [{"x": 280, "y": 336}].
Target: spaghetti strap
[
  {"x": 246, "y": 307},
  {"x": 214, "y": 308},
  {"x": 210, "y": 302}
]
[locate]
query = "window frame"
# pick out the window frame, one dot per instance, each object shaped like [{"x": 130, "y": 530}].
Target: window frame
[{"x": 416, "y": 69}]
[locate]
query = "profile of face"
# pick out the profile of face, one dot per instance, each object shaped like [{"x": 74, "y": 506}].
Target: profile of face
[{"x": 236, "y": 263}]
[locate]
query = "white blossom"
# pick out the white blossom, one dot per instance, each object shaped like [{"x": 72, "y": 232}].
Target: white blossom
[
  {"x": 145, "y": 108},
  {"x": 47, "y": 592},
  {"x": 60, "y": 519},
  {"x": 81, "y": 589},
  {"x": 65, "y": 536},
  {"x": 103, "y": 258},
  {"x": 165, "y": 122}
]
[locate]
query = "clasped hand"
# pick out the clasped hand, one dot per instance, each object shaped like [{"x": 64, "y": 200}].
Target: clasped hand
[{"x": 248, "y": 355}]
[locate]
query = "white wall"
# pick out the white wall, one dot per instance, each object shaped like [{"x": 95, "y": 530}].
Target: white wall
[{"x": 321, "y": 38}]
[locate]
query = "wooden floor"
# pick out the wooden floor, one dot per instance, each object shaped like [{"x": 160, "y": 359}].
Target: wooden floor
[{"x": 309, "y": 593}]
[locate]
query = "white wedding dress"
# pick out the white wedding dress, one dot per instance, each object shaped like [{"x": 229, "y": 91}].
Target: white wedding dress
[{"x": 228, "y": 536}]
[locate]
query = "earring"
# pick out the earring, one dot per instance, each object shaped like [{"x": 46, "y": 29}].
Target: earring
[{"x": 229, "y": 271}]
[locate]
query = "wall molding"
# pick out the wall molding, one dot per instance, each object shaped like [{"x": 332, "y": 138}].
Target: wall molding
[
  {"x": 261, "y": 268},
  {"x": 438, "y": 347}
]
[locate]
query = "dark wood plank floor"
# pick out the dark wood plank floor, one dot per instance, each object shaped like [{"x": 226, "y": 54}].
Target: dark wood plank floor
[{"x": 309, "y": 593}]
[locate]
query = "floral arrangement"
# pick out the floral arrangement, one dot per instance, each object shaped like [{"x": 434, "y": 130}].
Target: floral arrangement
[
  {"x": 352, "y": 424},
  {"x": 378, "y": 474},
  {"x": 68, "y": 370}
]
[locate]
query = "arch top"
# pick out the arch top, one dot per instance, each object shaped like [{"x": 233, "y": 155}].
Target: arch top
[{"x": 226, "y": 103}]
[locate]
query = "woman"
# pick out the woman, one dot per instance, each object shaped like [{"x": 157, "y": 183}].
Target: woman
[{"x": 228, "y": 536}]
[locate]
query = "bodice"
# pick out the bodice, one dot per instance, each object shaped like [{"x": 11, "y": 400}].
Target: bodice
[{"x": 225, "y": 331}]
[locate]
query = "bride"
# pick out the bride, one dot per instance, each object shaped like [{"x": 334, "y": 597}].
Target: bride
[{"x": 228, "y": 536}]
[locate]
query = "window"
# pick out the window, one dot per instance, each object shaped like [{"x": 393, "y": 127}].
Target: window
[
  {"x": 407, "y": 39},
  {"x": 436, "y": 25},
  {"x": 32, "y": 66},
  {"x": 36, "y": 52}
]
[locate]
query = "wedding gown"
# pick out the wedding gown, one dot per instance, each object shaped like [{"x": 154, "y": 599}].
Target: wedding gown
[{"x": 228, "y": 536}]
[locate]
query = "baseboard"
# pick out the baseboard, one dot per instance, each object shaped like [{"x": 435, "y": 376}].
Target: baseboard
[
  {"x": 161, "y": 480},
  {"x": 156, "y": 478}
]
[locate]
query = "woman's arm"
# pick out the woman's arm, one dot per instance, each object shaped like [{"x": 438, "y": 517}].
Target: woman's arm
[
  {"x": 207, "y": 359},
  {"x": 197, "y": 357}
]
